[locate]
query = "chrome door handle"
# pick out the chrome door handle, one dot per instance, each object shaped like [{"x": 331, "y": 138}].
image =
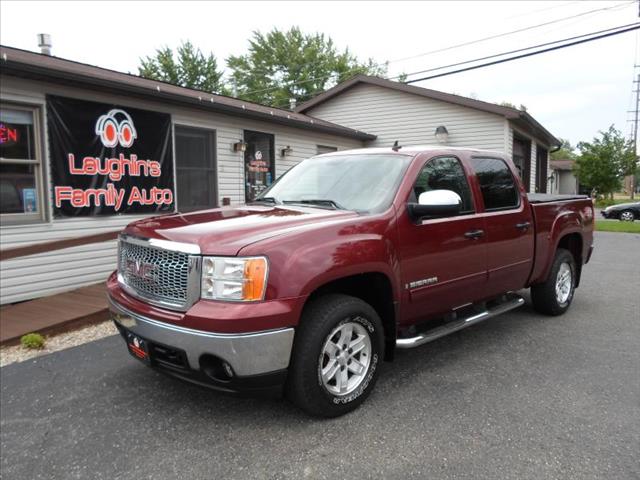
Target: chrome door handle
[
  {"x": 474, "y": 234},
  {"x": 523, "y": 225}
]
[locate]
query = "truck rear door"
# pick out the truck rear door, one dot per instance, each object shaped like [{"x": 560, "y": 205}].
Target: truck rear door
[{"x": 508, "y": 225}]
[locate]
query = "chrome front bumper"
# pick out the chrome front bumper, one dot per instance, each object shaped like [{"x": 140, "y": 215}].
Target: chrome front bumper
[{"x": 247, "y": 353}]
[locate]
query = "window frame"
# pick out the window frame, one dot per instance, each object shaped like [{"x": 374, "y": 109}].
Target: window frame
[
  {"x": 516, "y": 184},
  {"x": 327, "y": 148},
  {"x": 474, "y": 206},
  {"x": 40, "y": 216},
  {"x": 213, "y": 133}
]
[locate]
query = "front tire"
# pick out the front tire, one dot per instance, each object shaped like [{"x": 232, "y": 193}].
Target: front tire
[
  {"x": 554, "y": 296},
  {"x": 336, "y": 356}
]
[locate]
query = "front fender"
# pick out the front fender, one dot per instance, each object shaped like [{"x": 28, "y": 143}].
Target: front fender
[{"x": 301, "y": 263}]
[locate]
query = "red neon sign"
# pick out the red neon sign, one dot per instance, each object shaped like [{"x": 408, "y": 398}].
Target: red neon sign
[{"x": 8, "y": 135}]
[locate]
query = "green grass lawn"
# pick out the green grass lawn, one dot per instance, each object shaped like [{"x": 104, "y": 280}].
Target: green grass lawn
[{"x": 617, "y": 226}]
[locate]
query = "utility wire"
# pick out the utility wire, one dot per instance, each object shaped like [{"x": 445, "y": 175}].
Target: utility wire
[
  {"x": 587, "y": 37},
  {"x": 517, "y": 51},
  {"x": 512, "y": 32},
  {"x": 472, "y": 42},
  {"x": 525, "y": 55}
]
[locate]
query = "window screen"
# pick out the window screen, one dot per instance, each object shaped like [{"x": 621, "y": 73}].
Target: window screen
[
  {"x": 444, "y": 173},
  {"x": 195, "y": 168},
  {"x": 496, "y": 182}
]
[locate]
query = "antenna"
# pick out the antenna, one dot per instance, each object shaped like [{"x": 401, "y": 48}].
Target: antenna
[{"x": 396, "y": 147}]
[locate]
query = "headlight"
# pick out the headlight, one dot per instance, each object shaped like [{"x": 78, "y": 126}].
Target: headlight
[{"x": 234, "y": 278}]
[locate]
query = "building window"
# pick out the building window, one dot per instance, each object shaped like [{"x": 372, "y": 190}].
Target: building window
[
  {"x": 499, "y": 190},
  {"x": 325, "y": 149},
  {"x": 21, "y": 198},
  {"x": 195, "y": 168}
]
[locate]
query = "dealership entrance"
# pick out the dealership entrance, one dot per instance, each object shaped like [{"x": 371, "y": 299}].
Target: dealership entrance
[{"x": 259, "y": 163}]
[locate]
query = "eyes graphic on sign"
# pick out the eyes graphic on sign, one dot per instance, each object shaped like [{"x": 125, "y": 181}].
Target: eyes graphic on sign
[{"x": 116, "y": 127}]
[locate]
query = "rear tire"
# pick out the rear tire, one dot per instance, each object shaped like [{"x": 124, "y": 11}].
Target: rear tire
[
  {"x": 627, "y": 216},
  {"x": 325, "y": 379},
  {"x": 554, "y": 296}
]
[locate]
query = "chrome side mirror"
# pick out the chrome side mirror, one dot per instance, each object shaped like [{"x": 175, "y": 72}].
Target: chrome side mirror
[{"x": 436, "y": 203}]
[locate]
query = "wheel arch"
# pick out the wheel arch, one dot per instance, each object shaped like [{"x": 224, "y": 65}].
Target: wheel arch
[{"x": 374, "y": 288}]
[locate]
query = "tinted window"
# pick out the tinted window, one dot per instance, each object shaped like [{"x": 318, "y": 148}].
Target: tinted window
[
  {"x": 496, "y": 182},
  {"x": 444, "y": 173}
]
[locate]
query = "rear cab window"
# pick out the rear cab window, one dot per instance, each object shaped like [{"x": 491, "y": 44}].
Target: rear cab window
[{"x": 498, "y": 187}]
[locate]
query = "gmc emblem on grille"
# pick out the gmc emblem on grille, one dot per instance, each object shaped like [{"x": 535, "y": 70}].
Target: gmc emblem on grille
[{"x": 140, "y": 269}]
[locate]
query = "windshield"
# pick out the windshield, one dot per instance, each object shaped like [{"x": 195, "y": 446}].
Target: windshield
[{"x": 360, "y": 182}]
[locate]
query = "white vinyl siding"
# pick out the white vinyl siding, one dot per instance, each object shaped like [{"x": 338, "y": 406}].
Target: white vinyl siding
[
  {"x": 53, "y": 272},
  {"x": 411, "y": 119}
]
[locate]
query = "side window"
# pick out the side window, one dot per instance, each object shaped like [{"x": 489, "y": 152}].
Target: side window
[
  {"x": 444, "y": 173},
  {"x": 21, "y": 183},
  {"x": 499, "y": 191}
]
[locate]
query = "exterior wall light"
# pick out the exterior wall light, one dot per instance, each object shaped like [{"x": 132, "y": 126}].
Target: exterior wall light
[
  {"x": 286, "y": 151},
  {"x": 442, "y": 134},
  {"x": 239, "y": 146}
]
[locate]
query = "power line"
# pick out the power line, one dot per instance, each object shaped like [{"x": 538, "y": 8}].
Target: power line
[
  {"x": 512, "y": 32},
  {"x": 588, "y": 36},
  {"x": 472, "y": 42},
  {"x": 516, "y": 51},
  {"x": 530, "y": 54}
]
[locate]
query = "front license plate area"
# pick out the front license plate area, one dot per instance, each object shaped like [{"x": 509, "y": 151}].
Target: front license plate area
[{"x": 138, "y": 347}]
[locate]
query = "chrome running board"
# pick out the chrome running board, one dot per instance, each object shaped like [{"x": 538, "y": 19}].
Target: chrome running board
[{"x": 512, "y": 301}]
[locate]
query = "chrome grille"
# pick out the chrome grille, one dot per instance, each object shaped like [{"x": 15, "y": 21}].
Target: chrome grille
[{"x": 158, "y": 275}]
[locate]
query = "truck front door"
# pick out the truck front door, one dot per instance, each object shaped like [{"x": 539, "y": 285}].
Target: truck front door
[{"x": 442, "y": 259}]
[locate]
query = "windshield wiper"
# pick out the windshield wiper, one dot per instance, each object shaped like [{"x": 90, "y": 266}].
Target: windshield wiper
[
  {"x": 272, "y": 200},
  {"x": 318, "y": 202}
]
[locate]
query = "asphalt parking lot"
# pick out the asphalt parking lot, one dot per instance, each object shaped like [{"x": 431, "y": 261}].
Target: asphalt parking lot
[{"x": 521, "y": 396}]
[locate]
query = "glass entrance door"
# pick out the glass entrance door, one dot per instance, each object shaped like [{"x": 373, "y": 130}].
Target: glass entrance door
[{"x": 259, "y": 163}]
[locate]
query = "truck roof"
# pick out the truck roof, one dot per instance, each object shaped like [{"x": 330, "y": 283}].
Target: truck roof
[{"x": 412, "y": 150}]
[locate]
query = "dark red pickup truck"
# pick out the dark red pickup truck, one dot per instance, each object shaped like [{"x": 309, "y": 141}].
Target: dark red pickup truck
[{"x": 347, "y": 257}]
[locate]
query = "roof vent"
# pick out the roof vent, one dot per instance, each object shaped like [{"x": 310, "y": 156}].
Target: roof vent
[{"x": 44, "y": 42}]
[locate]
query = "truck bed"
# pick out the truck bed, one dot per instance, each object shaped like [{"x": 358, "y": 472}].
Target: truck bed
[
  {"x": 535, "y": 198},
  {"x": 557, "y": 213}
]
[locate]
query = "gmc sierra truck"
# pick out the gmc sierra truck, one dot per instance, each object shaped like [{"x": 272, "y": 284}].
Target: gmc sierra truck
[{"x": 346, "y": 258}]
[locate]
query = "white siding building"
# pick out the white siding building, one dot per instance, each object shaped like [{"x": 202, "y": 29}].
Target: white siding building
[
  {"x": 220, "y": 151},
  {"x": 28, "y": 79},
  {"x": 393, "y": 111}
]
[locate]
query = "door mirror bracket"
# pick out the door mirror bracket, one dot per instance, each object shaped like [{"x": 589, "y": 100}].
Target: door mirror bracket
[{"x": 435, "y": 203}]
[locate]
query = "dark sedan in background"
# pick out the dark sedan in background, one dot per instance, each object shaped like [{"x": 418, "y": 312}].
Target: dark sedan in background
[{"x": 627, "y": 212}]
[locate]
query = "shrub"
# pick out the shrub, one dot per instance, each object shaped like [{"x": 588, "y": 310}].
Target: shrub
[{"x": 34, "y": 341}]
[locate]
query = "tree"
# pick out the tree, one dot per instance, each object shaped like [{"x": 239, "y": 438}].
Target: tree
[
  {"x": 566, "y": 151},
  {"x": 189, "y": 68},
  {"x": 281, "y": 66},
  {"x": 605, "y": 161}
]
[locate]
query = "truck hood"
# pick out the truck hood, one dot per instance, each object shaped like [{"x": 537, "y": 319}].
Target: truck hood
[{"x": 225, "y": 231}]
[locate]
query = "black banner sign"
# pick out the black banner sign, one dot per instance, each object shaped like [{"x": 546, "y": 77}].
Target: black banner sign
[{"x": 107, "y": 159}]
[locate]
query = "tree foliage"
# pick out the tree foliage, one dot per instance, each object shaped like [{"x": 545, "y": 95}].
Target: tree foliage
[
  {"x": 566, "y": 151},
  {"x": 284, "y": 65},
  {"x": 604, "y": 162},
  {"x": 188, "y": 67}
]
